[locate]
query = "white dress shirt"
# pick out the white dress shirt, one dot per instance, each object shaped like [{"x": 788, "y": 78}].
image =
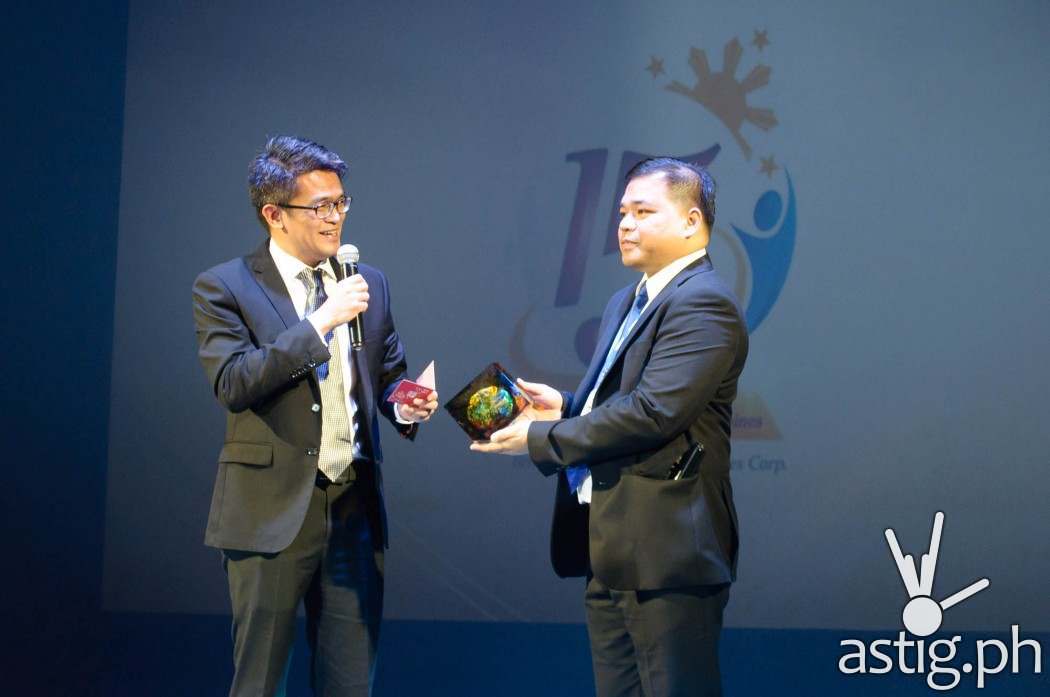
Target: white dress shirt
[
  {"x": 289, "y": 267},
  {"x": 653, "y": 286}
]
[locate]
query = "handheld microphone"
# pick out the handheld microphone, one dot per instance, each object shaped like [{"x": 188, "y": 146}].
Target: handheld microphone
[{"x": 348, "y": 256}]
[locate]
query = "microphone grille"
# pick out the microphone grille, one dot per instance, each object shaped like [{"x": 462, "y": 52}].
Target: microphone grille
[{"x": 348, "y": 254}]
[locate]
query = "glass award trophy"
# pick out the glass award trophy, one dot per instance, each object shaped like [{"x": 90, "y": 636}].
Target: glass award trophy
[{"x": 488, "y": 403}]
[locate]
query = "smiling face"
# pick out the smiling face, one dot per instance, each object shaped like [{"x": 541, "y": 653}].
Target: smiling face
[
  {"x": 656, "y": 227},
  {"x": 299, "y": 232}
]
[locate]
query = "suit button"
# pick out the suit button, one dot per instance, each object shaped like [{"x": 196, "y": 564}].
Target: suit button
[
  {"x": 312, "y": 452},
  {"x": 315, "y": 408}
]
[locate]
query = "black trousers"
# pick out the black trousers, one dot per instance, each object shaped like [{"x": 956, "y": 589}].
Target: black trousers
[
  {"x": 335, "y": 567},
  {"x": 658, "y": 643}
]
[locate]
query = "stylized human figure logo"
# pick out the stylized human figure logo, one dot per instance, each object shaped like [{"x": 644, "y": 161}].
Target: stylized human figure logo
[
  {"x": 770, "y": 256},
  {"x": 922, "y": 615}
]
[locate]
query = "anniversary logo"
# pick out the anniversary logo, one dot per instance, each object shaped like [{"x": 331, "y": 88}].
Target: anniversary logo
[{"x": 752, "y": 243}]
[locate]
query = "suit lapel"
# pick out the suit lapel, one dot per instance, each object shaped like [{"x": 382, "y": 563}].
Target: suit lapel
[
  {"x": 699, "y": 266},
  {"x": 363, "y": 397},
  {"x": 269, "y": 279},
  {"x": 619, "y": 311},
  {"x": 337, "y": 268}
]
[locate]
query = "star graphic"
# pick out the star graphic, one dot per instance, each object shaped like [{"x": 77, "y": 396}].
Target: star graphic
[
  {"x": 761, "y": 40},
  {"x": 656, "y": 66},
  {"x": 768, "y": 166}
]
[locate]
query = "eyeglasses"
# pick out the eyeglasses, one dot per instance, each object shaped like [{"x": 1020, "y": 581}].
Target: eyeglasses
[{"x": 323, "y": 210}]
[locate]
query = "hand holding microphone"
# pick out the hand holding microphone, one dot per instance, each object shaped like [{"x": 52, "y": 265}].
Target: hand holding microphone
[
  {"x": 347, "y": 300},
  {"x": 348, "y": 256}
]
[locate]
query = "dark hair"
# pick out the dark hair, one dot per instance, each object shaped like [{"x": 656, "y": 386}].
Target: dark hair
[
  {"x": 272, "y": 174},
  {"x": 690, "y": 183}
]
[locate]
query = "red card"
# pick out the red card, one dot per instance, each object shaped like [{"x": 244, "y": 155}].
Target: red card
[{"x": 406, "y": 391}]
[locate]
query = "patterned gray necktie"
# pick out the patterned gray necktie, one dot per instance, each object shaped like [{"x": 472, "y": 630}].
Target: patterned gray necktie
[
  {"x": 338, "y": 445},
  {"x": 315, "y": 297}
]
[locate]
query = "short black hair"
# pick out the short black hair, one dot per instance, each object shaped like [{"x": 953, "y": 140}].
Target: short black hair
[
  {"x": 272, "y": 174},
  {"x": 691, "y": 183}
]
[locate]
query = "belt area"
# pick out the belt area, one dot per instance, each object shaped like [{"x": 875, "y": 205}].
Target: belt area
[{"x": 357, "y": 466}]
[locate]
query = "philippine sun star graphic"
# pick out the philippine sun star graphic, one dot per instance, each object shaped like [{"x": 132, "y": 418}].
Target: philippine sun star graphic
[{"x": 726, "y": 97}]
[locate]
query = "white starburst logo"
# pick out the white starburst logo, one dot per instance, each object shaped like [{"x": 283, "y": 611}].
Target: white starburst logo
[{"x": 922, "y": 615}]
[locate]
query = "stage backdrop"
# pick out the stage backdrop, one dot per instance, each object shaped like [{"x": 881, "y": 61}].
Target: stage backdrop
[{"x": 883, "y": 172}]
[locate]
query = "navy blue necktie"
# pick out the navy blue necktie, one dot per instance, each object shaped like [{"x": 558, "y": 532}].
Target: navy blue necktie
[{"x": 576, "y": 475}]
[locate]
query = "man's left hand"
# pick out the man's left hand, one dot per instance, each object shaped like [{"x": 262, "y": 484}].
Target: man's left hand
[
  {"x": 419, "y": 411},
  {"x": 513, "y": 439}
]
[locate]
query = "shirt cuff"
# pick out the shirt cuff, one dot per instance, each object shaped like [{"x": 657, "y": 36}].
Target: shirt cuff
[
  {"x": 397, "y": 416},
  {"x": 320, "y": 334}
]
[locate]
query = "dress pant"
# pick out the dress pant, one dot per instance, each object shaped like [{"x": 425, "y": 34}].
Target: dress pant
[
  {"x": 335, "y": 567},
  {"x": 656, "y": 643}
]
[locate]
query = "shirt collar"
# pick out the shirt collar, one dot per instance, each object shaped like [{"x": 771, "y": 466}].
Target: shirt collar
[
  {"x": 659, "y": 280},
  {"x": 289, "y": 267}
]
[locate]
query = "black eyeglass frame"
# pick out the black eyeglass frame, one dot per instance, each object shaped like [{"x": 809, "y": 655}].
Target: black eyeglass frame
[{"x": 330, "y": 205}]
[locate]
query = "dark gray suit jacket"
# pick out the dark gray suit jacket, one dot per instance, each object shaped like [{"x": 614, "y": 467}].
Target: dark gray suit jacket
[
  {"x": 672, "y": 385},
  {"x": 260, "y": 359}
]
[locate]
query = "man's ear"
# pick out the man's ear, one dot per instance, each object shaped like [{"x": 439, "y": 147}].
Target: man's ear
[
  {"x": 695, "y": 225},
  {"x": 273, "y": 215}
]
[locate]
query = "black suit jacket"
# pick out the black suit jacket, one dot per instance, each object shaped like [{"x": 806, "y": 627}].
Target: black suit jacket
[
  {"x": 260, "y": 358},
  {"x": 672, "y": 385}
]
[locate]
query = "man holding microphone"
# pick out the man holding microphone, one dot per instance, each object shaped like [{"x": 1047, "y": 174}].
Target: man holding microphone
[{"x": 297, "y": 508}]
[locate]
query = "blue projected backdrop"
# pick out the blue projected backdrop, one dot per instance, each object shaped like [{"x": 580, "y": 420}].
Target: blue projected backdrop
[{"x": 883, "y": 174}]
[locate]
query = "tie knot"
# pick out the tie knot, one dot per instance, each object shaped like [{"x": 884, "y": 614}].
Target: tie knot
[
  {"x": 311, "y": 278},
  {"x": 642, "y": 298}
]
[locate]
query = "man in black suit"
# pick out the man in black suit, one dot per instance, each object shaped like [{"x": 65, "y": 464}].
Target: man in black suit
[
  {"x": 297, "y": 508},
  {"x": 644, "y": 505}
]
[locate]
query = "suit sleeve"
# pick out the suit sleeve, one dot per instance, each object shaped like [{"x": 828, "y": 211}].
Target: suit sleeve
[
  {"x": 566, "y": 403},
  {"x": 692, "y": 351},
  {"x": 243, "y": 374},
  {"x": 392, "y": 365}
]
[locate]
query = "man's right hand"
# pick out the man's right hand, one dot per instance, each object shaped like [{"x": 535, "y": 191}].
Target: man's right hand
[
  {"x": 546, "y": 401},
  {"x": 346, "y": 301}
]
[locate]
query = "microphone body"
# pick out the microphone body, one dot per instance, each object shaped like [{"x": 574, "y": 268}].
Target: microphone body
[{"x": 348, "y": 256}]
